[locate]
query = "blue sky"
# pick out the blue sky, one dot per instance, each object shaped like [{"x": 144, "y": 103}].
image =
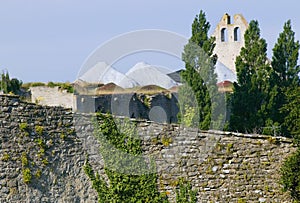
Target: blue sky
[{"x": 49, "y": 40}]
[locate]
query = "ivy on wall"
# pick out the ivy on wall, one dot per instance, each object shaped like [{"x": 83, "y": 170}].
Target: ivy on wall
[
  {"x": 125, "y": 185},
  {"x": 131, "y": 177}
]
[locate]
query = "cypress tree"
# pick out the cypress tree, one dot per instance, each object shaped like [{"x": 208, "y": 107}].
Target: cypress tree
[
  {"x": 284, "y": 77},
  {"x": 250, "y": 91},
  {"x": 199, "y": 72}
]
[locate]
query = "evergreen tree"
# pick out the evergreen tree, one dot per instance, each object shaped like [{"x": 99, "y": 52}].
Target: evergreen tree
[
  {"x": 199, "y": 72},
  {"x": 8, "y": 85},
  {"x": 4, "y": 85},
  {"x": 248, "y": 112},
  {"x": 290, "y": 173},
  {"x": 284, "y": 77},
  {"x": 292, "y": 110}
]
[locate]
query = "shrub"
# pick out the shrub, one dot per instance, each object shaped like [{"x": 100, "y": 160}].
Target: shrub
[
  {"x": 40, "y": 142},
  {"x": 38, "y": 173},
  {"x": 23, "y": 127},
  {"x": 24, "y": 159},
  {"x": 185, "y": 193},
  {"x": 39, "y": 130},
  {"x": 45, "y": 162},
  {"x": 65, "y": 86},
  {"x": 5, "y": 157},
  {"x": 26, "y": 175},
  {"x": 37, "y": 84},
  {"x": 290, "y": 175},
  {"x": 123, "y": 187}
]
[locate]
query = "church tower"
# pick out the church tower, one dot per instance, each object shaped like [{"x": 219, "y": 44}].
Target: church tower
[{"x": 230, "y": 39}]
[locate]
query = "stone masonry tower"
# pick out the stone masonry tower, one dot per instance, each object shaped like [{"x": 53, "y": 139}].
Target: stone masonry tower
[{"x": 230, "y": 39}]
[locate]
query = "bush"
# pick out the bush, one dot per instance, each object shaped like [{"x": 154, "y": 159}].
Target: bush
[
  {"x": 26, "y": 175},
  {"x": 5, "y": 157},
  {"x": 65, "y": 86},
  {"x": 185, "y": 193},
  {"x": 39, "y": 130},
  {"x": 290, "y": 175},
  {"x": 122, "y": 187},
  {"x": 24, "y": 159},
  {"x": 9, "y": 86},
  {"x": 23, "y": 127}
]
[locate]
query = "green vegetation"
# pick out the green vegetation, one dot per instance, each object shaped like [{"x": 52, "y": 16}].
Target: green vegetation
[
  {"x": 189, "y": 118},
  {"x": 63, "y": 136},
  {"x": 5, "y": 157},
  {"x": 38, "y": 173},
  {"x": 131, "y": 179},
  {"x": 185, "y": 193},
  {"x": 26, "y": 175},
  {"x": 147, "y": 101},
  {"x": 64, "y": 86},
  {"x": 292, "y": 120},
  {"x": 32, "y": 84},
  {"x": 199, "y": 76},
  {"x": 24, "y": 159},
  {"x": 23, "y": 127},
  {"x": 124, "y": 185},
  {"x": 39, "y": 130},
  {"x": 290, "y": 175},
  {"x": 240, "y": 200},
  {"x": 266, "y": 97},
  {"x": 229, "y": 147},
  {"x": 166, "y": 141},
  {"x": 45, "y": 162},
  {"x": 9, "y": 86},
  {"x": 285, "y": 83},
  {"x": 250, "y": 92}
]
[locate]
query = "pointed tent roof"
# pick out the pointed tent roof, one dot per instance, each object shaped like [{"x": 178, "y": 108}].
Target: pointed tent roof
[
  {"x": 145, "y": 74},
  {"x": 103, "y": 73}
]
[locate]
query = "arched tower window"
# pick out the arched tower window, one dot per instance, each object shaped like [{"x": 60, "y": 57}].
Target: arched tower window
[
  {"x": 237, "y": 34},
  {"x": 223, "y": 35}
]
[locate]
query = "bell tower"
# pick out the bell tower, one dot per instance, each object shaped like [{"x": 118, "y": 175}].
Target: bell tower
[{"x": 230, "y": 39}]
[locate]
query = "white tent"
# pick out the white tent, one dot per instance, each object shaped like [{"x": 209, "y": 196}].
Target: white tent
[
  {"x": 103, "y": 73},
  {"x": 145, "y": 74}
]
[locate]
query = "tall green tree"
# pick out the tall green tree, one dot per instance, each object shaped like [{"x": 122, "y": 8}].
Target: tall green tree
[
  {"x": 8, "y": 85},
  {"x": 248, "y": 112},
  {"x": 292, "y": 111},
  {"x": 199, "y": 74},
  {"x": 284, "y": 76},
  {"x": 290, "y": 169}
]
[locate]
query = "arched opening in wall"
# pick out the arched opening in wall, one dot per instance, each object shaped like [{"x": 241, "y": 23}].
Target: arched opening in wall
[
  {"x": 237, "y": 34},
  {"x": 223, "y": 35}
]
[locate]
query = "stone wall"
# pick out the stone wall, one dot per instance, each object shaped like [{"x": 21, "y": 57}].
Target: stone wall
[
  {"x": 222, "y": 167},
  {"x": 53, "y": 152},
  {"x": 52, "y": 96}
]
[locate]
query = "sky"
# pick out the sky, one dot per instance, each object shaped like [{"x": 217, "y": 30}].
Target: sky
[{"x": 49, "y": 40}]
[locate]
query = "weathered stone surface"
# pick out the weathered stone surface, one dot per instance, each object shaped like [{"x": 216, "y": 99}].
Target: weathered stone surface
[{"x": 221, "y": 166}]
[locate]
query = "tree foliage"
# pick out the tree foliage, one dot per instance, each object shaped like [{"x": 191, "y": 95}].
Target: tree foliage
[
  {"x": 199, "y": 74},
  {"x": 290, "y": 175},
  {"x": 250, "y": 91},
  {"x": 8, "y": 85},
  {"x": 284, "y": 79},
  {"x": 292, "y": 110}
]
